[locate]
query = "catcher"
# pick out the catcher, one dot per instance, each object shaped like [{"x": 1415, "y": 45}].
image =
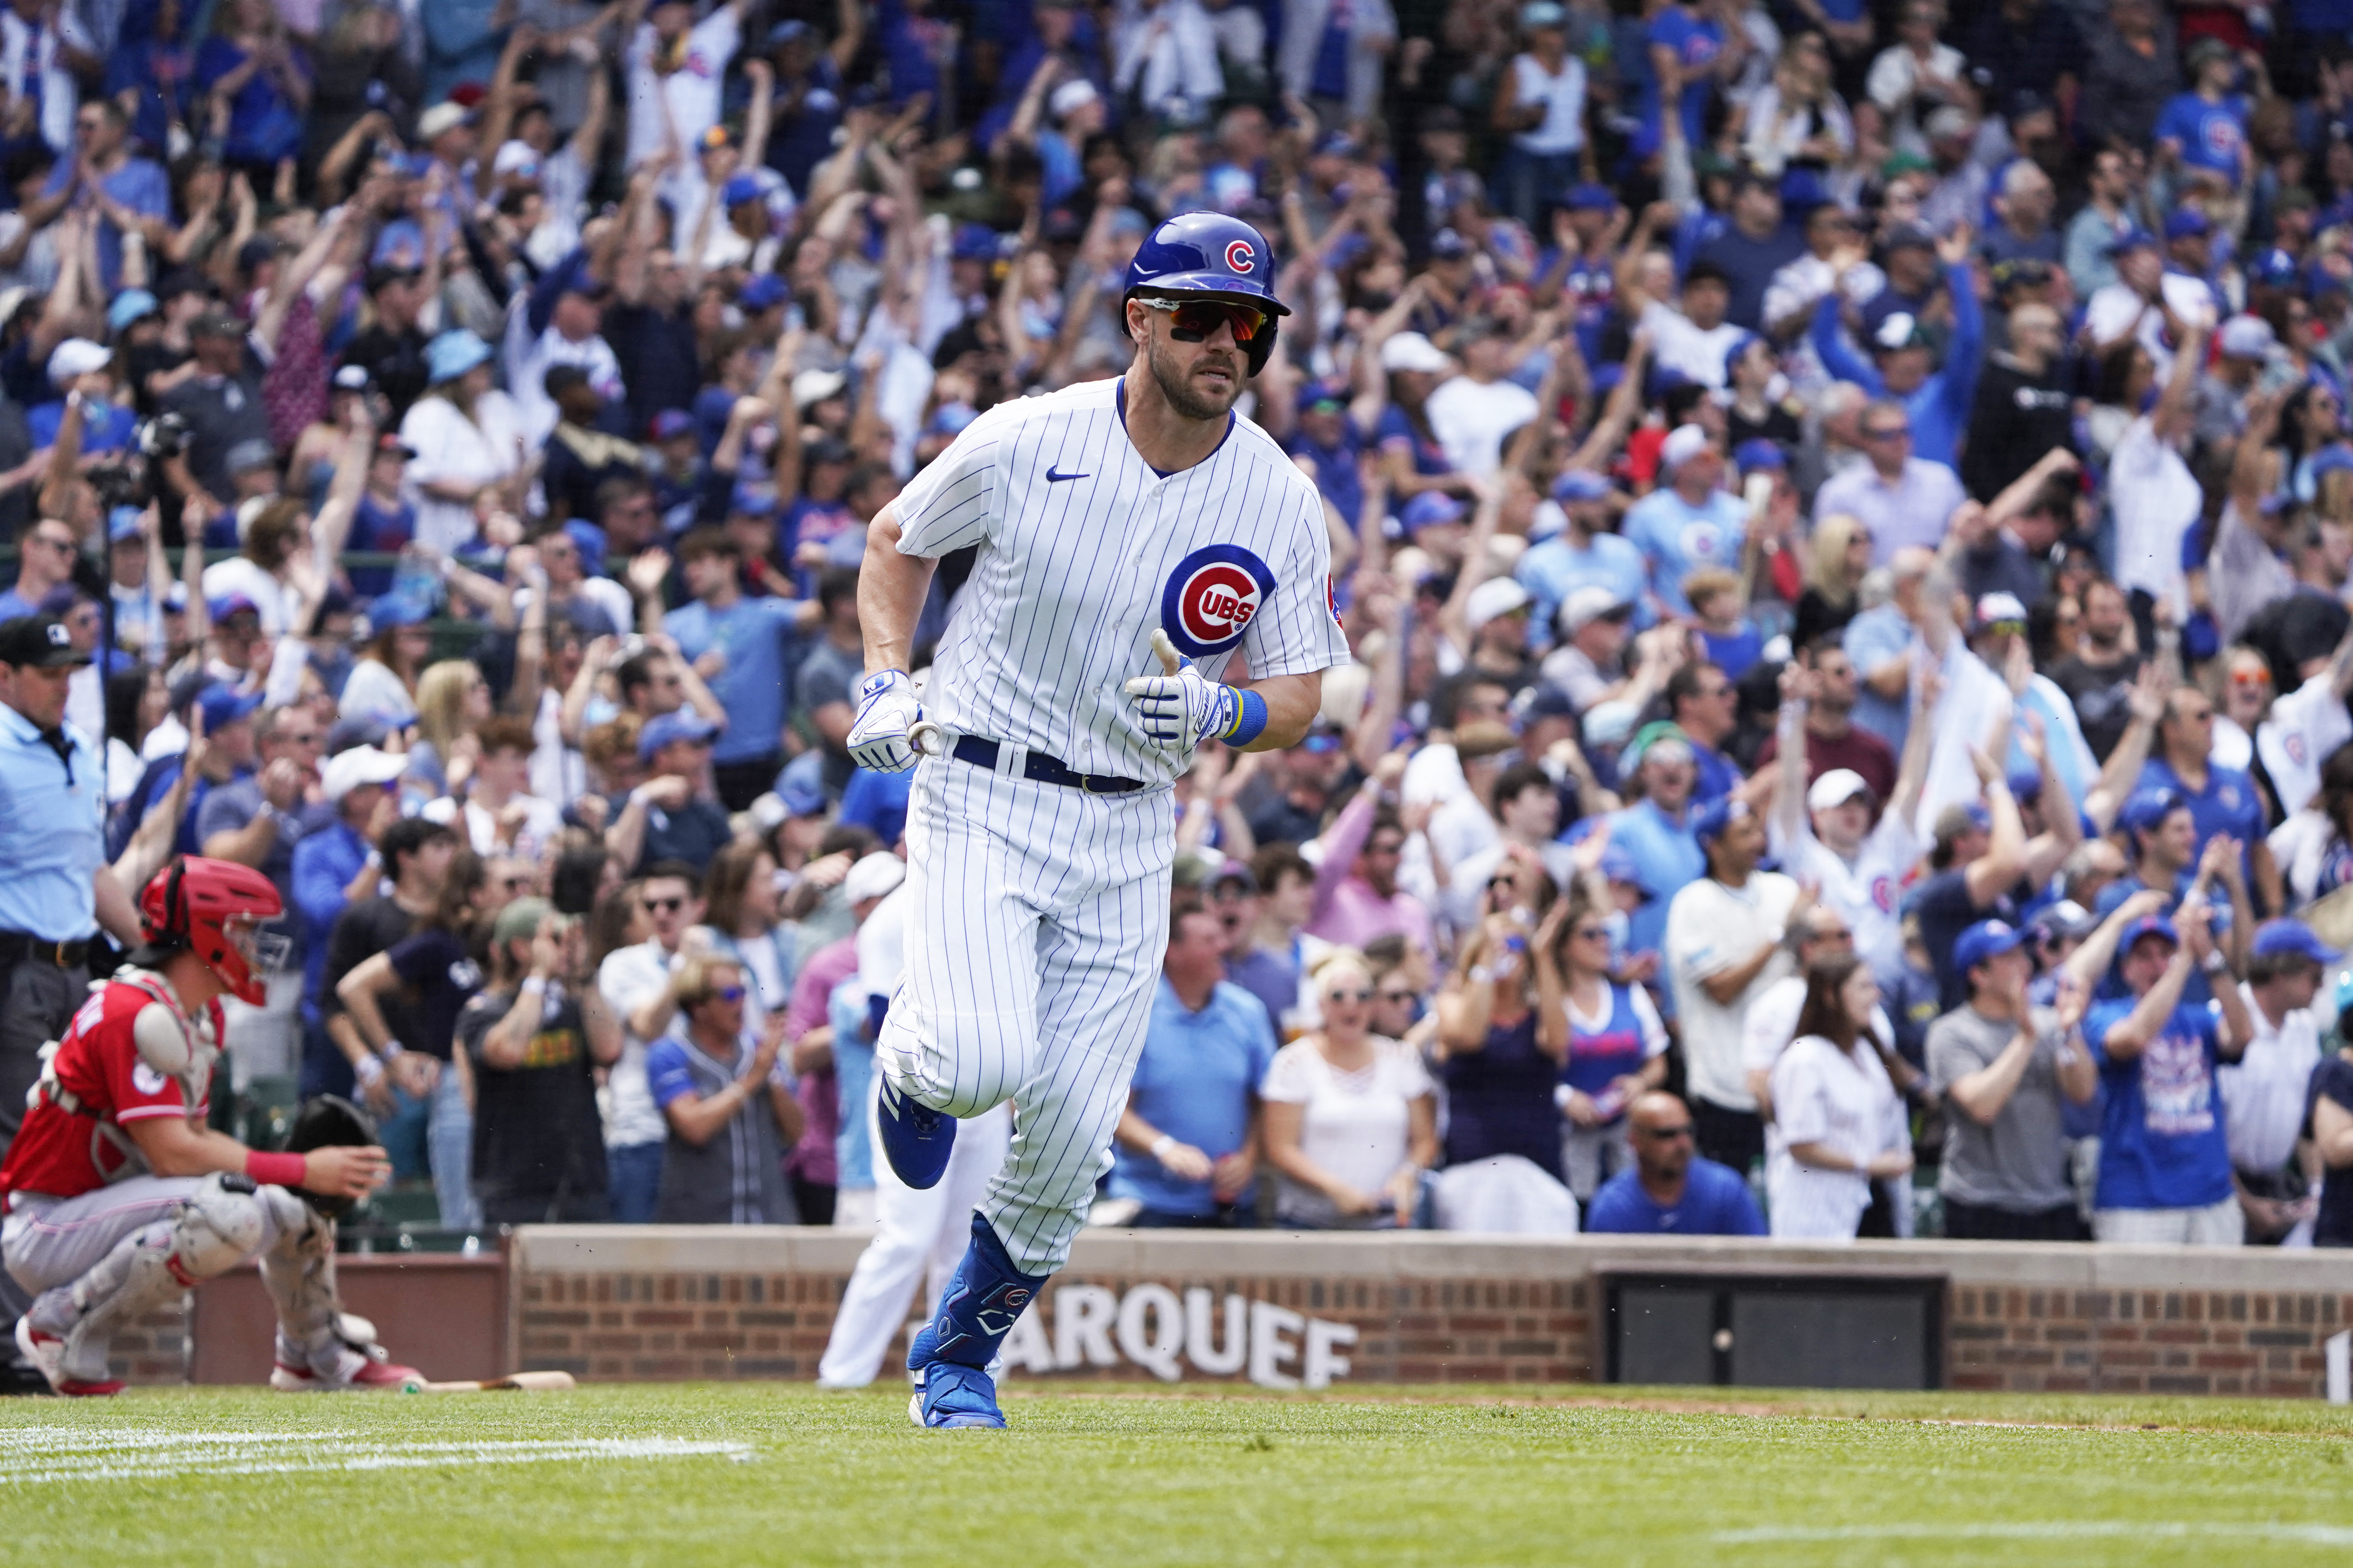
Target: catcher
[{"x": 116, "y": 1194}]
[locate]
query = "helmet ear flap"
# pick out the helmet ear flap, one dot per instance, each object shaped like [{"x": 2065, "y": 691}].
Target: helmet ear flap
[{"x": 1260, "y": 347}]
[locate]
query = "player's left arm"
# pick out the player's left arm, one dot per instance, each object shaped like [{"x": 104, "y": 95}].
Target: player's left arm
[
  {"x": 174, "y": 1147},
  {"x": 1292, "y": 703}
]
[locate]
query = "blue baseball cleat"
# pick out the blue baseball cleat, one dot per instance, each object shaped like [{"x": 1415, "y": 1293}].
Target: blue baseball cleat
[
  {"x": 950, "y": 1355},
  {"x": 952, "y": 1395},
  {"x": 916, "y": 1139}
]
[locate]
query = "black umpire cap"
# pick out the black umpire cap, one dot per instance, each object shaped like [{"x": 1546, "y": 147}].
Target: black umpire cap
[{"x": 38, "y": 642}]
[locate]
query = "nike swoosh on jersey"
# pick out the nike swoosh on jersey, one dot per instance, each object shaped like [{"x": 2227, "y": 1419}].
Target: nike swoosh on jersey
[{"x": 1054, "y": 478}]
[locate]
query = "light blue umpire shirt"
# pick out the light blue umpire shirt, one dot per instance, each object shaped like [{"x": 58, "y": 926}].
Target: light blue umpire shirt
[{"x": 52, "y": 831}]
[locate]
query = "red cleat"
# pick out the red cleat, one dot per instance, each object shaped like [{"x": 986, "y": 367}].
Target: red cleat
[{"x": 47, "y": 1354}]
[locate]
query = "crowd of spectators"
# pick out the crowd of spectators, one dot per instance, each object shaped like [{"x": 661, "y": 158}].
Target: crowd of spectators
[{"x": 1842, "y": 515}]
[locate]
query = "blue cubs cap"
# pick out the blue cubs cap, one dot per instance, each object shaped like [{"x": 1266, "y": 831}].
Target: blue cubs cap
[
  {"x": 1315, "y": 395},
  {"x": 2186, "y": 223},
  {"x": 2144, "y": 808},
  {"x": 1618, "y": 865},
  {"x": 2275, "y": 266},
  {"x": 801, "y": 797},
  {"x": 2132, "y": 238},
  {"x": 1428, "y": 510},
  {"x": 761, "y": 293},
  {"x": 670, "y": 423},
  {"x": 740, "y": 190},
  {"x": 589, "y": 540},
  {"x": 2291, "y": 936},
  {"x": 1760, "y": 455},
  {"x": 122, "y": 523},
  {"x": 973, "y": 242},
  {"x": 1209, "y": 253},
  {"x": 1591, "y": 199},
  {"x": 1710, "y": 821},
  {"x": 1576, "y": 485},
  {"x": 668, "y": 729},
  {"x": 754, "y": 501},
  {"x": 403, "y": 609},
  {"x": 1987, "y": 939},
  {"x": 223, "y": 705},
  {"x": 2149, "y": 925}
]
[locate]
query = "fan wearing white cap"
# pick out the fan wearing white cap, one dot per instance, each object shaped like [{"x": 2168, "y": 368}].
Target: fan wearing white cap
[
  {"x": 81, "y": 369},
  {"x": 1823, "y": 833},
  {"x": 1688, "y": 522},
  {"x": 1493, "y": 631}
]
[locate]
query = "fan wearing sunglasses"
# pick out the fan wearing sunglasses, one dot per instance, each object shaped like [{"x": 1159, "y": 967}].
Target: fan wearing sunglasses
[
  {"x": 1133, "y": 537},
  {"x": 728, "y": 1102}
]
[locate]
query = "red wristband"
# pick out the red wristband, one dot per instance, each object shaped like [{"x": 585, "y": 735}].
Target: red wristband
[{"x": 274, "y": 1170}]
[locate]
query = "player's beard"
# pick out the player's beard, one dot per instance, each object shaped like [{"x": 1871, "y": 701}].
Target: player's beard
[{"x": 1178, "y": 388}]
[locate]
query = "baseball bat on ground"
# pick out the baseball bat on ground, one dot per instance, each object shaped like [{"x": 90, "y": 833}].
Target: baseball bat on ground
[{"x": 524, "y": 1382}]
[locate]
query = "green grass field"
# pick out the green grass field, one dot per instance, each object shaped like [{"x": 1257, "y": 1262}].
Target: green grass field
[{"x": 1125, "y": 1478}]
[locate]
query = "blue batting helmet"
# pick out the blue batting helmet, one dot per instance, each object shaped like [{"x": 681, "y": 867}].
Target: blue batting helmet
[{"x": 1209, "y": 253}]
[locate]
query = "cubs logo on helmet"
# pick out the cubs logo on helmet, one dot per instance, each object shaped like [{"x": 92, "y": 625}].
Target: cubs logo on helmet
[
  {"x": 1240, "y": 256},
  {"x": 1212, "y": 596}
]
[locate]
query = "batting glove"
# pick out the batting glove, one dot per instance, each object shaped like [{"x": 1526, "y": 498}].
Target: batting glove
[
  {"x": 1181, "y": 707},
  {"x": 887, "y": 710}
]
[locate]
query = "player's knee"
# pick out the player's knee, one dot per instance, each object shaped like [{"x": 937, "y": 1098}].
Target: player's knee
[
  {"x": 973, "y": 1062},
  {"x": 217, "y": 1230}
]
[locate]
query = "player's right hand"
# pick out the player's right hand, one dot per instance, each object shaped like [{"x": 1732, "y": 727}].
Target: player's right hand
[{"x": 887, "y": 710}]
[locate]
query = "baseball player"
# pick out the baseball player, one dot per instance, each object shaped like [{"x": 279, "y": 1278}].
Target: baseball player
[
  {"x": 1133, "y": 536},
  {"x": 117, "y": 1196}
]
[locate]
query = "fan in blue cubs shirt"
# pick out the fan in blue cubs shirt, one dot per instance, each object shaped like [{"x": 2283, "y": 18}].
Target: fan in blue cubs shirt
[
  {"x": 1672, "y": 1191},
  {"x": 2165, "y": 1167}
]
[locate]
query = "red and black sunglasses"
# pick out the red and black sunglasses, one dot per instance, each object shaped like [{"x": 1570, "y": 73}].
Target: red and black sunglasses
[{"x": 1193, "y": 321}]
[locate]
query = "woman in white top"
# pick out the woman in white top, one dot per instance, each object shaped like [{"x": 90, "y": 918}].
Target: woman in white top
[
  {"x": 1843, "y": 1139},
  {"x": 1798, "y": 117},
  {"x": 383, "y": 683},
  {"x": 1351, "y": 1116},
  {"x": 1541, "y": 105},
  {"x": 468, "y": 438}
]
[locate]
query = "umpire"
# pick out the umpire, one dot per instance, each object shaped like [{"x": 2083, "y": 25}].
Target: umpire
[{"x": 55, "y": 883}]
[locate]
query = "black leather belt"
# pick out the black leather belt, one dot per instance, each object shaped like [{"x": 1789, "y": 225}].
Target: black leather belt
[
  {"x": 16, "y": 947},
  {"x": 1039, "y": 768}
]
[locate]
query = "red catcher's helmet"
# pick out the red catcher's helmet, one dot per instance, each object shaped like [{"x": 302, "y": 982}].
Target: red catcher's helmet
[{"x": 214, "y": 908}]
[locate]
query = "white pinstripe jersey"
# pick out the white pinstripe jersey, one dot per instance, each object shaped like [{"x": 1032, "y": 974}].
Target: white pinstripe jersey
[{"x": 1084, "y": 548}]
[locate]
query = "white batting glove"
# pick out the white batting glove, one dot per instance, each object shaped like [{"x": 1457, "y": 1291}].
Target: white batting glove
[
  {"x": 1179, "y": 707},
  {"x": 887, "y": 710}
]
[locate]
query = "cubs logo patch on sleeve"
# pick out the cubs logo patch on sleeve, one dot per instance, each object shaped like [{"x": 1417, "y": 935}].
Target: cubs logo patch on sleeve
[{"x": 1211, "y": 597}]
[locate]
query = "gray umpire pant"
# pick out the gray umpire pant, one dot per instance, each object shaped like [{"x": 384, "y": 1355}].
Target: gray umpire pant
[{"x": 37, "y": 1000}]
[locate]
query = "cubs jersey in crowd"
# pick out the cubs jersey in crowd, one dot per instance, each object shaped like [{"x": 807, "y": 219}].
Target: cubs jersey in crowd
[
  {"x": 66, "y": 1153},
  {"x": 1085, "y": 548}
]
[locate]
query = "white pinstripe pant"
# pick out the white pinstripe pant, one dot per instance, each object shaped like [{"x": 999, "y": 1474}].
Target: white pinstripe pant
[{"x": 1037, "y": 921}]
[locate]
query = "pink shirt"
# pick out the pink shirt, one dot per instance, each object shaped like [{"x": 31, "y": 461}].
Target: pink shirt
[{"x": 1348, "y": 909}]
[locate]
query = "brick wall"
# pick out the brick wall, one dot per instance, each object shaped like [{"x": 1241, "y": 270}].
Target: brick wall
[
  {"x": 678, "y": 1303},
  {"x": 2153, "y": 1341},
  {"x": 666, "y": 1303}
]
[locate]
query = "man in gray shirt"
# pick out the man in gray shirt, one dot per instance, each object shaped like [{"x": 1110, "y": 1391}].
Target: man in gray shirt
[{"x": 2000, "y": 1067}]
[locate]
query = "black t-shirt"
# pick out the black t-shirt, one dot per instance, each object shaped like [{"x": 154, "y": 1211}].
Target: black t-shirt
[
  {"x": 220, "y": 415},
  {"x": 694, "y": 833},
  {"x": 147, "y": 359},
  {"x": 397, "y": 362},
  {"x": 536, "y": 1133},
  {"x": 1779, "y": 427},
  {"x": 363, "y": 930},
  {"x": 441, "y": 977},
  {"x": 660, "y": 367},
  {"x": 1943, "y": 904},
  {"x": 2334, "y": 1226},
  {"x": 2016, "y": 420},
  {"x": 2102, "y": 693}
]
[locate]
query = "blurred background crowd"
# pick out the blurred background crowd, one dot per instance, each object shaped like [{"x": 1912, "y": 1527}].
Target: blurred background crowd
[{"x": 1842, "y": 513}]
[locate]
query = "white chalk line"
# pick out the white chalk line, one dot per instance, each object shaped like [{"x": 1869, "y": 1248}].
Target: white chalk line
[
  {"x": 2056, "y": 1530},
  {"x": 50, "y": 1456}
]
